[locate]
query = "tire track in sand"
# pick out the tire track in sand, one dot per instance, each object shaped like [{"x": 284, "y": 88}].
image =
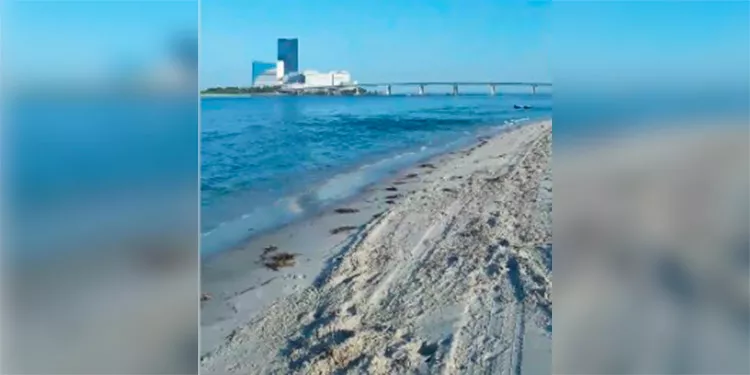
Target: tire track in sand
[
  {"x": 429, "y": 256},
  {"x": 498, "y": 321}
]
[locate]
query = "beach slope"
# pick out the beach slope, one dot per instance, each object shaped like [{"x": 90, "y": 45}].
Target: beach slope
[{"x": 454, "y": 277}]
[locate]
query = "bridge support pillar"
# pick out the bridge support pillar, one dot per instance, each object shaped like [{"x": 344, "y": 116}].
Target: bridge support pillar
[
  {"x": 493, "y": 90},
  {"x": 455, "y": 90},
  {"x": 421, "y": 89},
  {"x": 388, "y": 90}
]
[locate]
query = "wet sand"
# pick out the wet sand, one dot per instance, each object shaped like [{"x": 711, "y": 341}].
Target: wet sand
[{"x": 446, "y": 268}]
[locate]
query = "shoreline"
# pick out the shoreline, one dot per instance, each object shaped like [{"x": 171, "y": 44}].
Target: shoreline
[
  {"x": 367, "y": 173},
  {"x": 238, "y": 285},
  {"x": 202, "y": 95},
  {"x": 367, "y": 95}
]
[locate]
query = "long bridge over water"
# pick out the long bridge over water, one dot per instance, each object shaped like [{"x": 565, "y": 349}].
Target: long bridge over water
[{"x": 421, "y": 86}]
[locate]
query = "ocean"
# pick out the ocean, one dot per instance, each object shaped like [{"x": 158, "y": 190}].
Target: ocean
[
  {"x": 266, "y": 161},
  {"x": 82, "y": 171}
]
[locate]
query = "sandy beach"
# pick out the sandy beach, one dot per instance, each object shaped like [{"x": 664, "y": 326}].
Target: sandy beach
[
  {"x": 444, "y": 269},
  {"x": 651, "y": 229}
]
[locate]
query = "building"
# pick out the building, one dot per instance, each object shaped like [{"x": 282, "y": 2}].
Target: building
[
  {"x": 314, "y": 78},
  {"x": 288, "y": 52},
  {"x": 285, "y": 71},
  {"x": 280, "y": 70},
  {"x": 341, "y": 77},
  {"x": 265, "y": 74},
  {"x": 294, "y": 78}
]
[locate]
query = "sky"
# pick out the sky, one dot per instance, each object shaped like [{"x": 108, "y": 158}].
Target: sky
[
  {"x": 90, "y": 39},
  {"x": 662, "y": 41},
  {"x": 385, "y": 40},
  {"x": 475, "y": 40}
]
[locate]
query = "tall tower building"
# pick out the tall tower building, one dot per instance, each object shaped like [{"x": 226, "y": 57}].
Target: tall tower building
[{"x": 288, "y": 53}]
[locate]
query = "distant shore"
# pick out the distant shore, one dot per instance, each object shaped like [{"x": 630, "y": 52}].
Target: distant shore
[
  {"x": 213, "y": 95},
  {"x": 247, "y": 95},
  {"x": 235, "y": 91},
  {"x": 373, "y": 269},
  {"x": 368, "y": 94}
]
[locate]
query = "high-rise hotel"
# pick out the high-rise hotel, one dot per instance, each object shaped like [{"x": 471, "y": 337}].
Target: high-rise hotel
[{"x": 288, "y": 52}]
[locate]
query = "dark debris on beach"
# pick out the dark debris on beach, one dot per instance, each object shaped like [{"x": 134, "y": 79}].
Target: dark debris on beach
[
  {"x": 280, "y": 260},
  {"x": 269, "y": 249},
  {"x": 494, "y": 179},
  {"x": 345, "y": 228},
  {"x": 277, "y": 260}
]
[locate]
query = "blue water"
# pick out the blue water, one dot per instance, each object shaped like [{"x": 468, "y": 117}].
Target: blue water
[
  {"x": 83, "y": 169},
  {"x": 269, "y": 160}
]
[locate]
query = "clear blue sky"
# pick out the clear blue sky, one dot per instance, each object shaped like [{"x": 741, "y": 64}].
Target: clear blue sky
[
  {"x": 81, "y": 38},
  {"x": 383, "y": 40},
  {"x": 656, "y": 40},
  {"x": 395, "y": 40},
  {"x": 389, "y": 40}
]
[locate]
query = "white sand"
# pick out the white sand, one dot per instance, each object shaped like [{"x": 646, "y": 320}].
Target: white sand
[
  {"x": 651, "y": 236},
  {"x": 453, "y": 277}
]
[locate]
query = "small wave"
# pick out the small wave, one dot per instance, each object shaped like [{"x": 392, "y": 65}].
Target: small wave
[
  {"x": 290, "y": 204},
  {"x": 294, "y": 206},
  {"x": 515, "y": 121},
  {"x": 396, "y": 157},
  {"x": 214, "y": 229}
]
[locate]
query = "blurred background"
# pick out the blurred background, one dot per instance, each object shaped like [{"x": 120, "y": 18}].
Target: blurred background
[
  {"x": 100, "y": 201},
  {"x": 651, "y": 171},
  {"x": 100, "y": 194}
]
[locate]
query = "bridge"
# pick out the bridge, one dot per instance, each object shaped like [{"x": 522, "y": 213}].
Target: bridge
[{"x": 492, "y": 85}]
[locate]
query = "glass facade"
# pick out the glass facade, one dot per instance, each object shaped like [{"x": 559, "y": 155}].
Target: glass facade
[
  {"x": 288, "y": 53},
  {"x": 295, "y": 78}
]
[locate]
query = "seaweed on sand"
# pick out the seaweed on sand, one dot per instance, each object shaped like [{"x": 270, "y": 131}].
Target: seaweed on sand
[
  {"x": 280, "y": 260},
  {"x": 342, "y": 229}
]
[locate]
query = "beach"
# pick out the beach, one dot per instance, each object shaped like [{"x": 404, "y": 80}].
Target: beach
[
  {"x": 651, "y": 240},
  {"x": 444, "y": 268}
]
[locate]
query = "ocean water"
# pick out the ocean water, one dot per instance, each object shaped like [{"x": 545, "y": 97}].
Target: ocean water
[
  {"x": 266, "y": 161},
  {"x": 589, "y": 115},
  {"x": 83, "y": 170}
]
